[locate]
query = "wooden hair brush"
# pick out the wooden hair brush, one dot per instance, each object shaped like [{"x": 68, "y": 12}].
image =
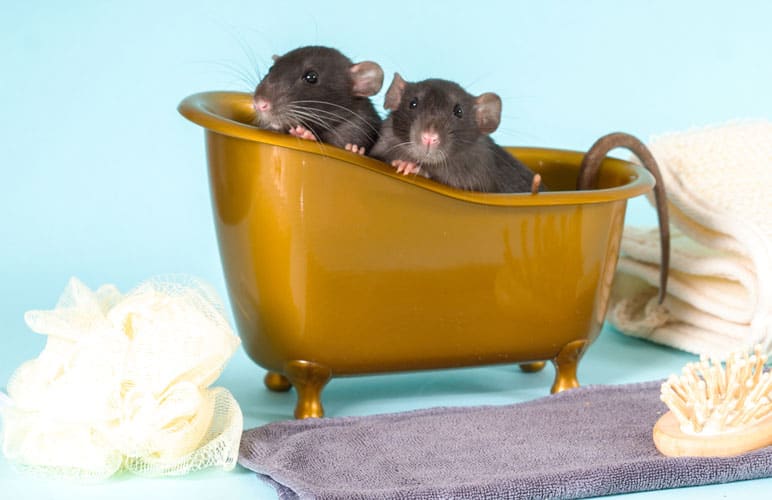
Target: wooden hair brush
[{"x": 717, "y": 410}]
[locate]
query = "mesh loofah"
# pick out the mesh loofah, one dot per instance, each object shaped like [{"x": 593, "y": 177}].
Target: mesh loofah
[{"x": 123, "y": 383}]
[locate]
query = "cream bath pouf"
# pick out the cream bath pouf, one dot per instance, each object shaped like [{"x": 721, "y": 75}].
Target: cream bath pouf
[{"x": 123, "y": 384}]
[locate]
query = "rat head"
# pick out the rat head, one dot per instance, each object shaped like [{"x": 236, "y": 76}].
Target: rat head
[
  {"x": 437, "y": 117},
  {"x": 314, "y": 87}
]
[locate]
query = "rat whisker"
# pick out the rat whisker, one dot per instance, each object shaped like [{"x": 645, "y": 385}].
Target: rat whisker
[
  {"x": 423, "y": 160},
  {"x": 244, "y": 73},
  {"x": 397, "y": 146},
  {"x": 342, "y": 119},
  {"x": 330, "y": 119},
  {"x": 316, "y": 119},
  {"x": 250, "y": 55},
  {"x": 255, "y": 65},
  {"x": 316, "y": 111},
  {"x": 234, "y": 70},
  {"x": 443, "y": 163},
  {"x": 455, "y": 139},
  {"x": 308, "y": 113},
  {"x": 454, "y": 135},
  {"x": 444, "y": 158},
  {"x": 339, "y": 118},
  {"x": 343, "y": 108}
]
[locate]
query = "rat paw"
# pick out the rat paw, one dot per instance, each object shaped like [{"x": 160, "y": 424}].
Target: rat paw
[
  {"x": 302, "y": 133},
  {"x": 405, "y": 167},
  {"x": 355, "y": 149}
]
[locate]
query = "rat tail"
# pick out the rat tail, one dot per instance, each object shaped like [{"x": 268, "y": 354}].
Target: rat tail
[{"x": 588, "y": 179}]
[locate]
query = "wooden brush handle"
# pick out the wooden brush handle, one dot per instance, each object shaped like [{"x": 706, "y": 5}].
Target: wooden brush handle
[{"x": 673, "y": 442}]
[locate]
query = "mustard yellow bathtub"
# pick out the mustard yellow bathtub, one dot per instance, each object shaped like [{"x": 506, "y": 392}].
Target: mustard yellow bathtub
[{"x": 336, "y": 265}]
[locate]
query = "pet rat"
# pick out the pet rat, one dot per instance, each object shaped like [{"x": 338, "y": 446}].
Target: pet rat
[
  {"x": 588, "y": 179},
  {"x": 439, "y": 130},
  {"x": 317, "y": 93}
]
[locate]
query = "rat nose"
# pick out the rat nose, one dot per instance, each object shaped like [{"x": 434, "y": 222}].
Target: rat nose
[
  {"x": 430, "y": 138},
  {"x": 262, "y": 105}
]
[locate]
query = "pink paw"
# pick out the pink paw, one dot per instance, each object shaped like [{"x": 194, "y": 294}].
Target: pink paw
[
  {"x": 302, "y": 133},
  {"x": 405, "y": 167},
  {"x": 355, "y": 149}
]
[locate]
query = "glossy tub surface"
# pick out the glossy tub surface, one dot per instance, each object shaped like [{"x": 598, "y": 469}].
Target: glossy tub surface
[{"x": 336, "y": 265}]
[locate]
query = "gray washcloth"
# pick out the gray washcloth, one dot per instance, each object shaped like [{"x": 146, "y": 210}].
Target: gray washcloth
[{"x": 590, "y": 441}]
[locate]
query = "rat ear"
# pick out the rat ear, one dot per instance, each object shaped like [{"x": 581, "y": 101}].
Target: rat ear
[
  {"x": 394, "y": 94},
  {"x": 275, "y": 57},
  {"x": 367, "y": 77},
  {"x": 487, "y": 112}
]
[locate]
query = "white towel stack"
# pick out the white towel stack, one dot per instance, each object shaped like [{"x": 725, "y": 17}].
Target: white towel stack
[{"x": 719, "y": 189}]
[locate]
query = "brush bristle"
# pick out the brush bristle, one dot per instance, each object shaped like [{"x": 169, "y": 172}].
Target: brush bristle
[{"x": 710, "y": 398}]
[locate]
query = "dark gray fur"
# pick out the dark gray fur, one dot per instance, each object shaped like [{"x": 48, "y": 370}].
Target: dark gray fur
[
  {"x": 468, "y": 158},
  {"x": 341, "y": 114}
]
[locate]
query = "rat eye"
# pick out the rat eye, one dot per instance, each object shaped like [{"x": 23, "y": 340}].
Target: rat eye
[
  {"x": 311, "y": 77},
  {"x": 414, "y": 103},
  {"x": 457, "y": 111}
]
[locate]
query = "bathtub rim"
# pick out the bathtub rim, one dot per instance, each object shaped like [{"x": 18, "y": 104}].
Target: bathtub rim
[{"x": 200, "y": 108}]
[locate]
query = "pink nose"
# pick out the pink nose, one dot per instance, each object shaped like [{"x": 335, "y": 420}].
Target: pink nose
[
  {"x": 262, "y": 105},
  {"x": 430, "y": 138}
]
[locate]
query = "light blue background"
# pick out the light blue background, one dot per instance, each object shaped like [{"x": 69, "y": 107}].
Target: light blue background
[{"x": 103, "y": 180}]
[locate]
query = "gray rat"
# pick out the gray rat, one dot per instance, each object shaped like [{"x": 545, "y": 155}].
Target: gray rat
[
  {"x": 317, "y": 93},
  {"x": 421, "y": 135},
  {"x": 439, "y": 130}
]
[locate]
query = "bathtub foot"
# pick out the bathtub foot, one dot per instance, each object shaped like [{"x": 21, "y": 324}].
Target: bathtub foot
[
  {"x": 277, "y": 382},
  {"x": 566, "y": 363},
  {"x": 309, "y": 379},
  {"x": 532, "y": 367}
]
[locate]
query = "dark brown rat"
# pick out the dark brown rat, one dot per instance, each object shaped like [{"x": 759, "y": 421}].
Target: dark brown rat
[
  {"x": 317, "y": 93},
  {"x": 588, "y": 179},
  {"x": 439, "y": 130}
]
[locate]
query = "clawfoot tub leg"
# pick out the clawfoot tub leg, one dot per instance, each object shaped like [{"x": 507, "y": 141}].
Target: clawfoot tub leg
[
  {"x": 309, "y": 379},
  {"x": 532, "y": 367},
  {"x": 566, "y": 363},
  {"x": 277, "y": 382}
]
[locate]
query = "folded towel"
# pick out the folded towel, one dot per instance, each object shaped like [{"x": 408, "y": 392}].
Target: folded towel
[
  {"x": 719, "y": 183},
  {"x": 590, "y": 441}
]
